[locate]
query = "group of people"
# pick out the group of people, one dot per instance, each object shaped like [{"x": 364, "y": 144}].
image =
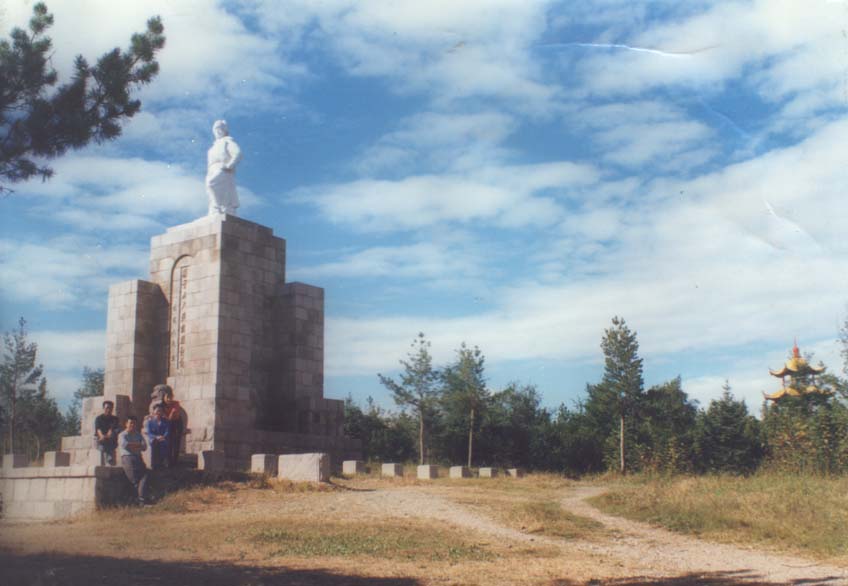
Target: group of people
[{"x": 163, "y": 430}]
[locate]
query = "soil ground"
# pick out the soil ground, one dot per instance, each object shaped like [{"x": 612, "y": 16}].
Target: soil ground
[{"x": 384, "y": 532}]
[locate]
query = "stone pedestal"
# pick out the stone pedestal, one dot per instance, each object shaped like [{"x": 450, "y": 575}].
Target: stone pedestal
[
  {"x": 353, "y": 467},
  {"x": 460, "y": 472},
  {"x": 488, "y": 472},
  {"x": 427, "y": 472},
  {"x": 264, "y": 464},
  {"x": 304, "y": 467},
  {"x": 211, "y": 460},
  {"x": 391, "y": 470}
]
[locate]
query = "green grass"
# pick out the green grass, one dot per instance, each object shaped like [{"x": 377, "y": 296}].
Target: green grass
[
  {"x": 804, "y": 514},
  {"x": 387, "y": 541}
]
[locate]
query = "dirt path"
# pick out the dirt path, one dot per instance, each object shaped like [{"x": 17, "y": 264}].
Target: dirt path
[
  {"x": 627, "y": 550},
  {"x": 657, "y": 550},
  {"x": 635, "y": 548}
]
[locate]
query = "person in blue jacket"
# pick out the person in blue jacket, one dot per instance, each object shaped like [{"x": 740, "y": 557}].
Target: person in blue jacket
[{"x": 157, "y": 434}]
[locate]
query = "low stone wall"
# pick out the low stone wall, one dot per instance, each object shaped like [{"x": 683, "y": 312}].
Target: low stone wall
[
  {"x": 82, "y": 450},
  {"x": 239, "y": 446},
  {"x": 40, "y": 493}
]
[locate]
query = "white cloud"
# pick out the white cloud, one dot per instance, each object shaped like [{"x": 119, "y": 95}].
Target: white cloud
[
  {"x": 635, "y": 134},
  {"x": 210, "y": 57},
  {"x": 782, "y": 48},
  {"x": 690, "y": 266},
  {"x": 449, "y": 50},
  {"x": 67, "y": 271},
  {"x": 454, "y": 261},
  {"x": 512, "y": 196},
  {"x": 64, "y": 354},
  {"x": 441, "y": 141},
  {"x": 99, "y": 193},
  {"x": 212, "y": 66}
]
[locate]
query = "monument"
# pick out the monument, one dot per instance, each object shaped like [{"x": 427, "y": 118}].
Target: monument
[{"x": 242, "y": 348}]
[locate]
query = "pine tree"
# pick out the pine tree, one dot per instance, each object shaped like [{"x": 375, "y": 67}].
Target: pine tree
[
  {"x": 417, "y": 388},
  {"x": 465, "y": 394},
  {"x": 728, "y": 437},
  {"x": 666, "y": 426},
  {"x": 92, "y": 386},
  {"x": 38, "y": 122},
  {"x": 40, "y": 424},
  {"x": 622, "y": 376},
  {"x": 19, "y": 375}
]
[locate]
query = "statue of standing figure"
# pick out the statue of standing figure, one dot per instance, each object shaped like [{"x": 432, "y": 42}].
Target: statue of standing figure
[{"x": 222, "y": 159}]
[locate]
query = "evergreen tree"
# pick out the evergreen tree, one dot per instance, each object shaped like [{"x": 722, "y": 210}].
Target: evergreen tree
[
  {"x": 417, "y": 388},
  {"x": 40, "y": 424},
  {"x": 574, "y": 442},
  {"x": 38, "y": 121},
  {"x": 92, "y": 386},
  {"x": 727, "y": 437},
  {"x": 667, "y": 423},
  {"x": 19, "y": 377},
  {"x": 511, "y": 433},
  {"x": 621, "y": 387},
  {"x": 465, "y": 395},
  {"x": 384, "y": 436}
]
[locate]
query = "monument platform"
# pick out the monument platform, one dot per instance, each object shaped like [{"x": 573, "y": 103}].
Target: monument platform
[{"x": 242, "y": 348}]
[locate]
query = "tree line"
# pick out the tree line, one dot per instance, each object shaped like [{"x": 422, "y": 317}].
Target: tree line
[
  {"x": 30, "y": 420},
  {"x": 451, "y": 416}
]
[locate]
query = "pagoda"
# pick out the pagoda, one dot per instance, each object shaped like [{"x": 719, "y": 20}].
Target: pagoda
[{"x": 802, "y": 378}]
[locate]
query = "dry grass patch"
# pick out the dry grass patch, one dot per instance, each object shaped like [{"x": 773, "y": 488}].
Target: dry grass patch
[
  {"x": 530, "y": 504},
  {"x": 797, "y": 513},
  {"x": 549, "y": 518},
  {"x": 380, "y": 539}
]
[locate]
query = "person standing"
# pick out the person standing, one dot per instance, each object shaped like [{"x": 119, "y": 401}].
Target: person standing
[
  {"x": 174, "y": 417},
  {"x": 106, "y": 430},
  {"x": 130, "y": 446},
  {"x": 157, "y": 432}
]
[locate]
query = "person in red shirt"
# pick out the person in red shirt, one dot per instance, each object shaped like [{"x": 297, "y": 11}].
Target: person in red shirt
[{"x": 173, "y": 414}]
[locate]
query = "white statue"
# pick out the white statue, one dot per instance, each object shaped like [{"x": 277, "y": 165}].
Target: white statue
[{"x": 222, "y": 159}]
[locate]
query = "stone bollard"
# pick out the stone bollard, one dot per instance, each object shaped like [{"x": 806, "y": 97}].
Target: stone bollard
[
  {"x": 515, "y": 472},
  {"x": 391, "y": 470},
  {"x": 460, "y": 472},
  {"x": 488, "y": 472},
  {"x": 264, "y": 464},
  {"x": 54, "y": 459},
  {"x": 211, "y": 460},
  {"x": 428, "y": 472},
  {"x": 353, "y": 467},
  {"x": 304, "y": 467}
]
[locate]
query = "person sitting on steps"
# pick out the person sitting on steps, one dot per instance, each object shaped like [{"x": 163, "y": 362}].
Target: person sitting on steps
[
  {"x": 106, "y": 430},
  {"x": 158, "y": 435},
  {"x": 130, "y": 446}
]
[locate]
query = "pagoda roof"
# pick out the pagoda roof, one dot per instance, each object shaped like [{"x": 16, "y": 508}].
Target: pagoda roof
[
  {"x": 797, "y": 365},
  {"x": 796, "y": 392}
]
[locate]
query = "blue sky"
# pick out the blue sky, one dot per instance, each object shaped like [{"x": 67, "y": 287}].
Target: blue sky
[{"x": 510, "y": 174}]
